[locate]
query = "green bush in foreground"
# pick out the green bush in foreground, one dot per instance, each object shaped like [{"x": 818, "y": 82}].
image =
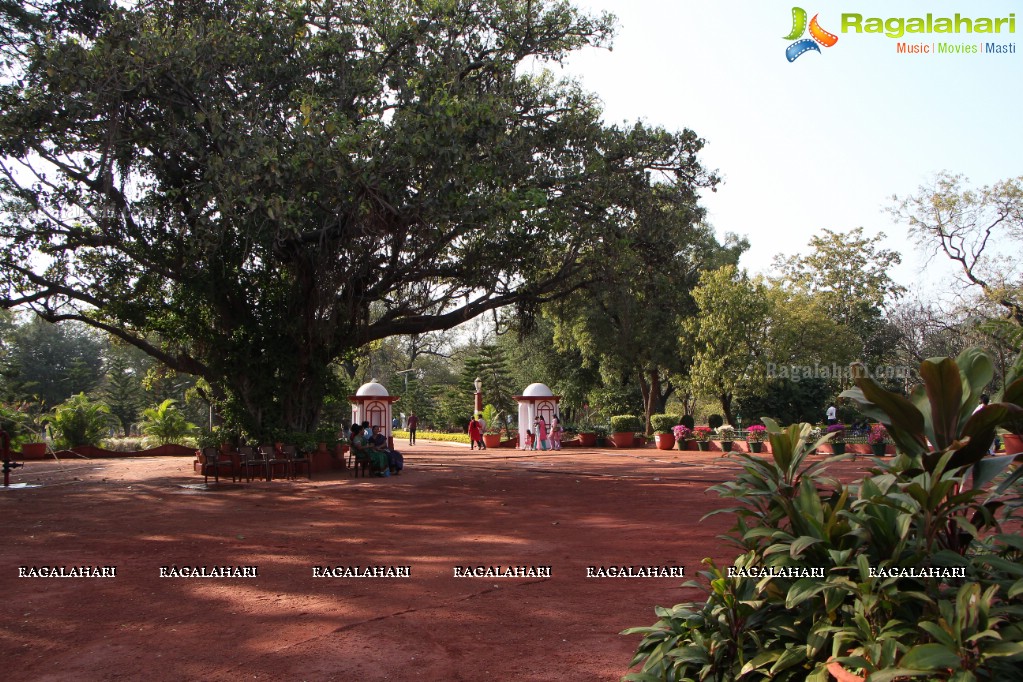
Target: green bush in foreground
[{"x": 916, "y": 579}]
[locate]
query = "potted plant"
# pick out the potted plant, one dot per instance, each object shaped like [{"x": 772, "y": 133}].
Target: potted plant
[
  {"x": 701, "y": 434},
  {"x": 816, "y": 433},
  {"x": 682, "y": 435},
  {"x": 600, "y": 436},
  {"x": 755, "y": 435},
  {"x": 662, "y": 424},
  {"x": 837, "y": 432},
  {"x": 492, "y": 434},
  {"x": 727, "y": 434},
  {"x": 878, "y": 439},
  {"x": 623, "y": 430}
]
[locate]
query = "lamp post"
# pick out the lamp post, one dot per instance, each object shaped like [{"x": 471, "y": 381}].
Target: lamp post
[{"x": 478, "y": 396}]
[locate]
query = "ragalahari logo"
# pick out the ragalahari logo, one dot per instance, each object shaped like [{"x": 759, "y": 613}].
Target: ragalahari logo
[{"x": 817, "y": 35}]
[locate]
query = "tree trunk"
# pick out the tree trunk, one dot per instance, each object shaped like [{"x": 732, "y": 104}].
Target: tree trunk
[
  {"x": 655, "y": 395},
  {"x": 726, "y": 408}
]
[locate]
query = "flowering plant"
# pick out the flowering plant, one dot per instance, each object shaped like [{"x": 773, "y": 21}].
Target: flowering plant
[
  {"x": 816, "y": 433},
  {"x": 682, "y": 433},
  {"x": 839, "y": 431},
  {"x": 701, "y": 433},
  {"x": 726, "y": 431},
  {"x": 878, "y": 435},
  {"x": 755, "y": 433}
]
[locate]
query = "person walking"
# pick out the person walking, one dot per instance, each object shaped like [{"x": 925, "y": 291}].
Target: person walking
[
  {"x": 413, "y": 422},
  {"x": 475, "y": 435},
  {"x": 483, "y": 429},
  {"x": 556, "y": 432},
  {"x": 832, "y": 414}
]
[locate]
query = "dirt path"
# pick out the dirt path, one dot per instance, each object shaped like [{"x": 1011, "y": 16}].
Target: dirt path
[{"x": 451, "y": 510}]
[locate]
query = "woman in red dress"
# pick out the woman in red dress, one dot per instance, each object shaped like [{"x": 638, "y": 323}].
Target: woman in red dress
[{"x": 475, "y": 434}]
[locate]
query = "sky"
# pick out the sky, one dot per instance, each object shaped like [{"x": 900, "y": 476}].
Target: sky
[{"x": 826, "y": 140}]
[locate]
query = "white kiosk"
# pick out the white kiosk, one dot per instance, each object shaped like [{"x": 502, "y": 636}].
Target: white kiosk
[
  {"x": 536, "y": 400},
  {"x": 372, "y": 403}
]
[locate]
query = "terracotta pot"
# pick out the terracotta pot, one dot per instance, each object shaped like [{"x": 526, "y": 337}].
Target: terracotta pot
[
  {"x": 1013, "y": 443},
  {"x": 665, "y": 441},
  {"x": 587, "y": 439},
  {"x": 623, "y": 439},
  {"x": 33, "y": 450},
  {"x": 492, "y": 440}
]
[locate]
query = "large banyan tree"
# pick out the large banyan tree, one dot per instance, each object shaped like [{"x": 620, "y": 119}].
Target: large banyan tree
[{"x": 250, "y": 189}]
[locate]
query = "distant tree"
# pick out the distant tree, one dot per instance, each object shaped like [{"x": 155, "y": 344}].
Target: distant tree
[
  {"x": 849, "y": 274},
  {"x": 622, "y": 322},
  {"x": 49, "y": 363},
  {"x": 729, "y": 336},
  {"x": 534, "y": 355},
  {"x": 980, "y": 231},
  {"x": 491, "y": 366},
  {"x": 122, "y": 391}
]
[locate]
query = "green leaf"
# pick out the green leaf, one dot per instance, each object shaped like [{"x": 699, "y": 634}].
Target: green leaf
[
  {"x": 944, "y": 386},
  {"x": 930, "y": 658},
  {"x": 803, "y": 589},
  {"x": 801, "y": 543},
  {"x": 988, "y": 468}
]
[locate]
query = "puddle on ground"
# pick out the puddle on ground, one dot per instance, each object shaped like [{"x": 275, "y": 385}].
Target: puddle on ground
[{"x": 20, "y": 486}]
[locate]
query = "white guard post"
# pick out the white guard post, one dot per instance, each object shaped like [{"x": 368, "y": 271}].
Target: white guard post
[
  {"x": 373, "y": 403},
  {"x": 536, "y": 400}
]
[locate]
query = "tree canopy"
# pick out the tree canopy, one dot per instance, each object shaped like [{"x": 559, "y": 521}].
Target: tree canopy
[{"x": 263, "y": 186}]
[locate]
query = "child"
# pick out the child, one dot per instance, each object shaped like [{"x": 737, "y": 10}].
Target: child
[{"x": 529, "y": 440}]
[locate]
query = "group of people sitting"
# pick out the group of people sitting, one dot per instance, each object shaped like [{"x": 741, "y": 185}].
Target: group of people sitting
[{"x": 370, "y": 448}]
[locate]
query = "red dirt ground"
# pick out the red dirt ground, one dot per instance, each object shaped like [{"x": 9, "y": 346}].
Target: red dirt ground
[{"x": 450, "y": 508}]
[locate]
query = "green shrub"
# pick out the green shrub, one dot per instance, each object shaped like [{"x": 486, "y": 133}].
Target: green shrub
[
  {"x": 934, "y": 508},
  {"x": 124, "y": 444},
  {"x": 19, "y": 426},
  {"x": 327, "y": 432},
  {"x": 80, "y": 421},
  {"x": 434, "y": 435},
  {"x": 662, "y": 423},
  {"x": 165, "y": 424},
  {"x": 688, "y": 421},
  {"x": 624, "y": 423}
]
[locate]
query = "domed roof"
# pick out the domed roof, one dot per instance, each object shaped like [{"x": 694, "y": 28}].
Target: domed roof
[
  {"x": 373, "y": 388},
  {"x": 537, "y": 391}
]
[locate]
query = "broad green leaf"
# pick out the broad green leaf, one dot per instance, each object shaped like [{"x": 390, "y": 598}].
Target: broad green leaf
[{"x": 930, "y": 657}]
